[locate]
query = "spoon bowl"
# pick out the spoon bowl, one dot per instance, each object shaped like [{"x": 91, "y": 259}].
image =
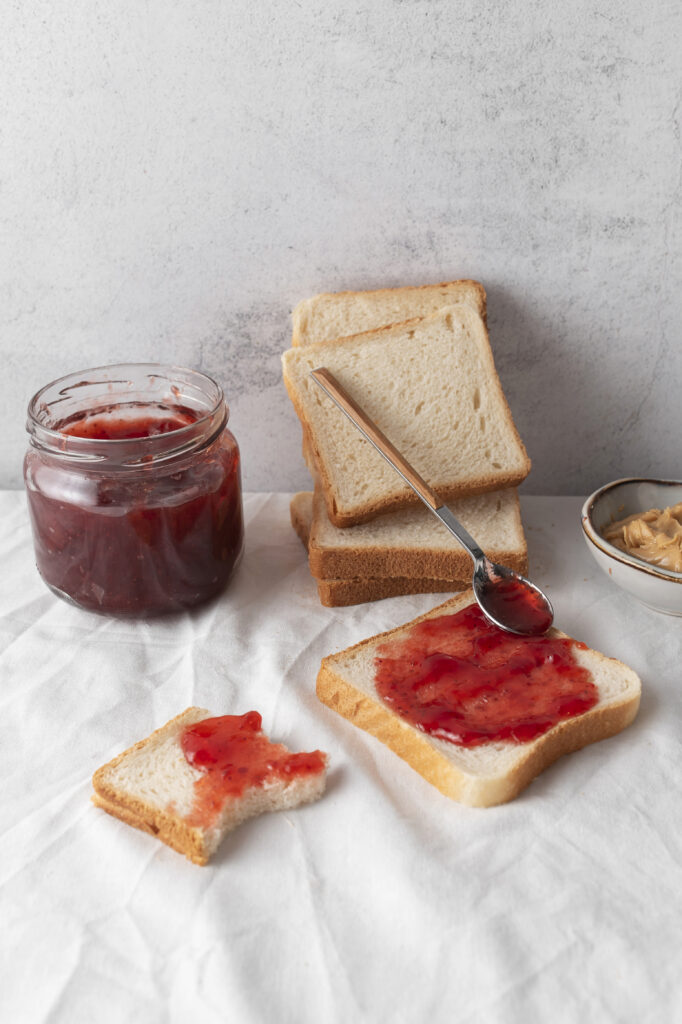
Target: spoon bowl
[{"x": 510, "y": 600}]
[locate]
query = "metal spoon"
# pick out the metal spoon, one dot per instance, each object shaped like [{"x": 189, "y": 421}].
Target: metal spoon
[{"x": 506, "y": 597}]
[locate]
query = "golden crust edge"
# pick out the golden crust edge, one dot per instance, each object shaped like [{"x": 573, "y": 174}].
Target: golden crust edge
[
  {"x": 380, "y": 564},
  {"x": 158, "y": 822}
]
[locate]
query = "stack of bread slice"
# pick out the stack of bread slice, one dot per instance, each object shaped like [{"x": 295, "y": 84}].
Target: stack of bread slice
[{"x": 418, "y": 360}]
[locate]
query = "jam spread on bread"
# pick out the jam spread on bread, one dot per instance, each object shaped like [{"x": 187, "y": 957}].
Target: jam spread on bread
[
  {"x": 144, "y": 538},
  {"x": 517, "y": 605},
  {"x": 235, "y": 755},
  {"x": 460, "y": 678}
]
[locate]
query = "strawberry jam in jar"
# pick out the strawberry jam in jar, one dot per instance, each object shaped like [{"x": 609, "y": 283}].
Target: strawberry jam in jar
[{"x": 134, "y": 489}]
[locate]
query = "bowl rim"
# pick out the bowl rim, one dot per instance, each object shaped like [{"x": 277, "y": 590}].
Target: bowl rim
[{"x": 594, "y": 537}]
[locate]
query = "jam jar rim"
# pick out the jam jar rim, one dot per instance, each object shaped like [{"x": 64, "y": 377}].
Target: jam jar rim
[{"x": 127, "y": 454}]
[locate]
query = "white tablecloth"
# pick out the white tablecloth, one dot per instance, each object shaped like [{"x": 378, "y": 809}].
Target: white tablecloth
[{"x": 384, "y": 901}]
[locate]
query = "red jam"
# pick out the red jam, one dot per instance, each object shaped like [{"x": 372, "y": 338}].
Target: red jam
[
  {"x": 235, "y": 756},
  {"x": 460, "y": 678},
  {"x": 108, "y": 427},
  {"x": 154, "y": 537},
  {"x": 519, "y": 606}
]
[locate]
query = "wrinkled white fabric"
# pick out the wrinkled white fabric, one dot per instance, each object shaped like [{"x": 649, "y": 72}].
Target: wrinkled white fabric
[{"x": 384, "y": 901}]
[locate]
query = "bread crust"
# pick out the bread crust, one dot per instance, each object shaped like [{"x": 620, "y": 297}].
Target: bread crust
[
  {"x": 160, "y": 825},
  {"x": 339, "y": 593},
  {"x": 298, "y": 334},
  {"x": 363, "y": 513},
  {"x": 376, "y": 718},
  {"x": 380, "y": 563},
  {"x": 391, "y": 561},
  {"x": 163, "y": 824}
]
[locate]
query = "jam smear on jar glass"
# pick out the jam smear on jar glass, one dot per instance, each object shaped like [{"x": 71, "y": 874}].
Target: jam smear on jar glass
[
  {"x": 134, "y": 489},
  {"x": 460, "y": 678},
  {"x": 112, "y": 427},
  {"x": 235, "y": 755}
]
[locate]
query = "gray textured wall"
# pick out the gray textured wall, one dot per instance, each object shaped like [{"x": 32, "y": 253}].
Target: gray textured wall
[{"x": 175, "y": 176}]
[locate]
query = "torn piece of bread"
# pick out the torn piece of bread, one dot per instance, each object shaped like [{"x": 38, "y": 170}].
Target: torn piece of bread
[
  {"x": 431, "y": 386},
  {"x": 339, "y": 593},
  {"x": 338, "y": 314},
  {"x": 153, "y": 787},
  {"x": 492, "y": 772}
]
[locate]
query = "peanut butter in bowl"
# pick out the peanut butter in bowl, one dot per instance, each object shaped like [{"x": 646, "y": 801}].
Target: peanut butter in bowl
[{"x": 654, "y": 536}]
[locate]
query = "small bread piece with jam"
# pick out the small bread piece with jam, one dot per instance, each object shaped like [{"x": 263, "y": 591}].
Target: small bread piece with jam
[{"x": 199, "y": 776}]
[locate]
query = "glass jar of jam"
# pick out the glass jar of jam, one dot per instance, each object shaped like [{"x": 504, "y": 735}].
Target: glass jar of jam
[{"x": 134, "y": 489}]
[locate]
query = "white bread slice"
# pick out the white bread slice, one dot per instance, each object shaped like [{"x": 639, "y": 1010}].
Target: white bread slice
[
  {"x": 339, "y": 593},
  {"x": 151, "y": 787},
  {"x": 431, "y": 386},
  {"x": 338, "y": 314},
  {"x": 492, "y": 773},
  {"x": 414, "y": 543}
]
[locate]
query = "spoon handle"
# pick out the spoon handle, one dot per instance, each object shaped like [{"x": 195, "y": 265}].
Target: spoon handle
[{"x": 370, "y": 430}]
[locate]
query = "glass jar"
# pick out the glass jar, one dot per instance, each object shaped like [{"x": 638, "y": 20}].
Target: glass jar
[{"x": 134, "y": 488}]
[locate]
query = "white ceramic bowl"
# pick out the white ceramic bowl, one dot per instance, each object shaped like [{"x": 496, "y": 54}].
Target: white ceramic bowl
[{"x": 657, "y": 588}]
